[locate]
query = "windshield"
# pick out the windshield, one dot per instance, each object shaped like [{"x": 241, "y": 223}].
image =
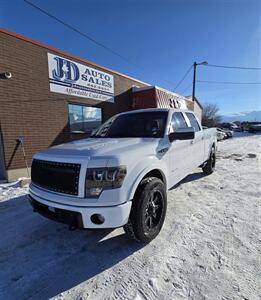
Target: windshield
[{"x": 143, "y": 124}]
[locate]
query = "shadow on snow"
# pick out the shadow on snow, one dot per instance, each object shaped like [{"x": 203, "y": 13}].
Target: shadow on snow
[
  {"x": 40, "y": 258},
  {"x": 189, "y": 178}
]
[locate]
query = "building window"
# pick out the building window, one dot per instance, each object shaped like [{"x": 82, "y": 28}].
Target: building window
[{"x": 84, "y": 118}]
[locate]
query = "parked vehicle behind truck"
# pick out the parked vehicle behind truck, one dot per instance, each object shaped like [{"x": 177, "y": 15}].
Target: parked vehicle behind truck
[
  {"x": 120, "y": 175},
  {"x": 254, "y": 128},
  {"x": 221, "y": 135},
  {"x": 224, "y": 134}
]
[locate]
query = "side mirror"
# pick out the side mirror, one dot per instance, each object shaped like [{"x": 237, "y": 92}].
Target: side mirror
[{"x": 187, "y": 133}]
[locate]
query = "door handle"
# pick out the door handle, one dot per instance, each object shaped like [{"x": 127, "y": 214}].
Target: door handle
[{"x": 192, "y": 142}]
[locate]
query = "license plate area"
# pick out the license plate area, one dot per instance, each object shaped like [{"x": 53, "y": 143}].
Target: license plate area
[{"x": 72, "y": 218}]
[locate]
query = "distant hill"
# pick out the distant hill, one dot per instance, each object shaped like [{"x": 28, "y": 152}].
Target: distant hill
[{"x": 253, "y": 116}]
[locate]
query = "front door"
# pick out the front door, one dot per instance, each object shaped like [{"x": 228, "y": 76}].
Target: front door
[{"x": 179, "y": 151}]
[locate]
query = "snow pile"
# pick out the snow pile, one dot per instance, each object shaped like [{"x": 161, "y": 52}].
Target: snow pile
[
  {"x": 11, "y": 190},
  {"x": 209, "y": 247}
]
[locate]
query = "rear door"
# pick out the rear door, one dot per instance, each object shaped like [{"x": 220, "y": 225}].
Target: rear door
[
  {"x": 197, "y": 145},
  {"x": 179, "y": 150}
]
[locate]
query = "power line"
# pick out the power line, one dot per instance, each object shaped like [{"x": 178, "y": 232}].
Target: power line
[
  {"x": 77, "y": 31},
  {"x": 187, "y": 87},
  {"x": 227, "y": 82},
  {"x": 232, "y": 67},
  {"x": 183, "y": 78},
  {"x": 89, "y": 38}
]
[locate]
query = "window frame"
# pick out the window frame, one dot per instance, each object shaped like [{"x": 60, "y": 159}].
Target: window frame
[
  {"x": 162, "y": 135},
  {"x": 82, "y": 105},
  {"x": 185, "y": 120},
  {"x": 199, "y": 126}
]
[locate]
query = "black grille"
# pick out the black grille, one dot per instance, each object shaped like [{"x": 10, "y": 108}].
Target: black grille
[{"x": 56, "y": 176}]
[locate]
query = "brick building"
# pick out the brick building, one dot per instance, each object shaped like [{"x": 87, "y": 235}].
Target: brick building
[{"x": 52, "y": 97}]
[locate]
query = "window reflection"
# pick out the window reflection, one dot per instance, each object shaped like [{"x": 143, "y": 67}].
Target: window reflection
[{"x": 84, "y": 118}]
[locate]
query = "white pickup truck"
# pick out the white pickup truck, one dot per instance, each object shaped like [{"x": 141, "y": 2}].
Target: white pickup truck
[{"x": 120, "y": 175}]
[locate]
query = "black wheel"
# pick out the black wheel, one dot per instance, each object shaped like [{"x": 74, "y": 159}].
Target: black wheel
[
  {"x": 148, "y": 210},
  {"x": 210, "y": 165}
]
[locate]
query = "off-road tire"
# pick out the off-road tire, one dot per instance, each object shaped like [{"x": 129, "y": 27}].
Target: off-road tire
[
  {"x": 210, "y": 165},
  {"x": 137, "y": 227}
]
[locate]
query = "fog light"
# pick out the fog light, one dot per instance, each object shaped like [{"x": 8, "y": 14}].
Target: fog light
[
  {"x": 95, "y": 191},
  {"x": 97, "y": 219}
]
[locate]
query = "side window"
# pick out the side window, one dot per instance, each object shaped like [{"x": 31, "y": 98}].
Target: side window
[
  {"x": 178, "y": 121},
  {"x": 193, "y": 121}
]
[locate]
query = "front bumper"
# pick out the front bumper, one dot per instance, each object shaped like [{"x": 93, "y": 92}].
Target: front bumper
[{"x": 82, "y": 217}]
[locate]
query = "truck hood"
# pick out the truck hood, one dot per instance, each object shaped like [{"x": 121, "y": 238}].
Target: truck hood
[{"x": 102, "y": 147}]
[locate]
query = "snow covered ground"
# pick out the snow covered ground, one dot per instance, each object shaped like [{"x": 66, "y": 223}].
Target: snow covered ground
[{"x": 209, "y": 247}]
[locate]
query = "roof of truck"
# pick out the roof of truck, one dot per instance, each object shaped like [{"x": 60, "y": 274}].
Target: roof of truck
[{"x": 155, "y": 109}]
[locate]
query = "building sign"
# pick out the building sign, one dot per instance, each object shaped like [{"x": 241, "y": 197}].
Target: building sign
[
  {"x": 74, "y": 79},
  {"x": 177, "y": 102}
]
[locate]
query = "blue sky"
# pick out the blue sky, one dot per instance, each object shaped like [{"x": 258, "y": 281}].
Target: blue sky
[{"x": 163, "y": 38}]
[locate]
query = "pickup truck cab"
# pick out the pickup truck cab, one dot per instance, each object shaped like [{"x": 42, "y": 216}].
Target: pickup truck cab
[{"x": 120, "y": 175}]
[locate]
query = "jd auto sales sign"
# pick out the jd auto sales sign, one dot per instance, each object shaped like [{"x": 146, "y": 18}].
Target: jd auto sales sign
[{"x": 71, "y": 78}]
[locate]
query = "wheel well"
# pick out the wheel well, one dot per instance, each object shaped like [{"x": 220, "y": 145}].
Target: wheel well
[
  {"x": 155, "y": 173},
  {"x": 213, "y": 146}
]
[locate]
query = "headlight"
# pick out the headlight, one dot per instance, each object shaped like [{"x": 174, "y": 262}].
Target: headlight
[{"x": 99, "y": 179}]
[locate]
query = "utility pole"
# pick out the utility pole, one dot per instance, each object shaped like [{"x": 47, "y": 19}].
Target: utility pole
[
  {"x": 195, "y": 64},
  {"x": 194, "y": 81}
]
